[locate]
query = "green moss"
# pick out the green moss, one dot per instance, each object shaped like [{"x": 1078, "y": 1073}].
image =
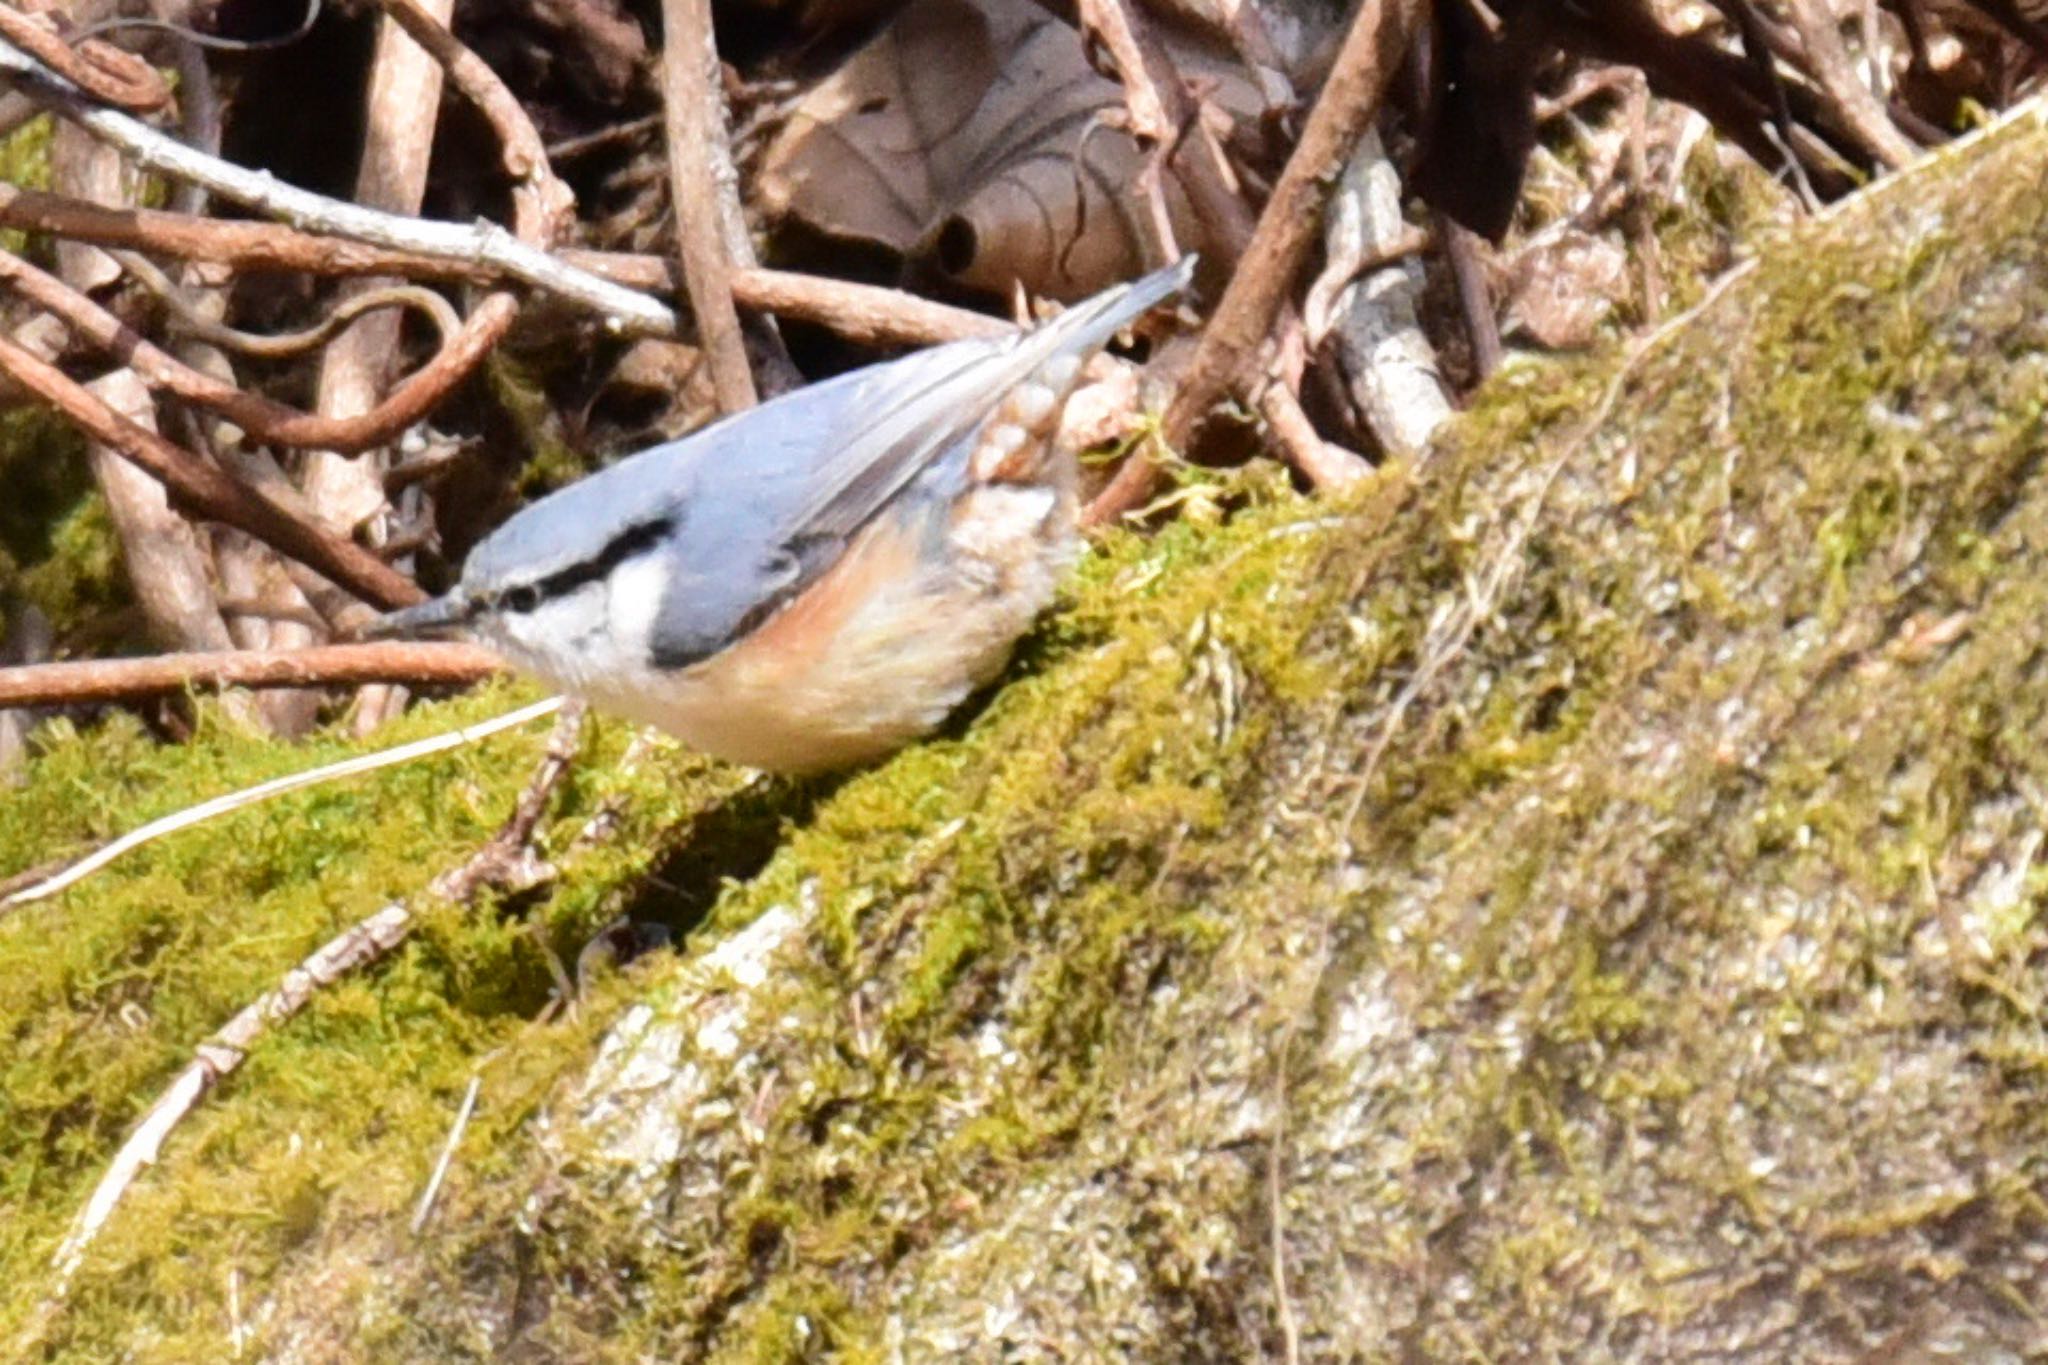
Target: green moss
[
  {"x": 1603, "y": 844},
  {"x": 25, "y": 161},
  {"x": 551, "y": 462},
  {"x": 57, "y": 548}
]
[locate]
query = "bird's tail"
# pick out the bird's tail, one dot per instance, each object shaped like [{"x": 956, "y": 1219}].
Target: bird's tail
[
  {"x": 1016, "y": 439},
  {"x": 1089, "y": 324}
]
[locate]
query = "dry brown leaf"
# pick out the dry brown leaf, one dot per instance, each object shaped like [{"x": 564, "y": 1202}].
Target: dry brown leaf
[
  {"x": 1561, "y": 290},
  {"x": 972, "y": 138}
]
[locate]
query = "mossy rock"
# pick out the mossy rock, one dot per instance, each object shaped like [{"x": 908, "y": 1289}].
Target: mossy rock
[{"x": 1576, "y": 900}]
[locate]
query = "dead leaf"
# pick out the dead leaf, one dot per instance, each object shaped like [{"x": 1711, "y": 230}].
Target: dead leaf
[
  {"x": 1561, "y": 290},
  {"x": 972, "y": 138}
]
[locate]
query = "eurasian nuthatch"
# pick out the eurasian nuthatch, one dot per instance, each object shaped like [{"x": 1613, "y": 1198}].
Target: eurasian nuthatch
[{"x": 817, "y": 581}]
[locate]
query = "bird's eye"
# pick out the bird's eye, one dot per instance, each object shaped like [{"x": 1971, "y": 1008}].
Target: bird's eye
[{"x": 523, "y": 598}]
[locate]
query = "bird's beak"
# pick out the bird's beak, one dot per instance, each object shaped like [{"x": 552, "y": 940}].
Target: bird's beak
[{"x": 439, "y": 616}]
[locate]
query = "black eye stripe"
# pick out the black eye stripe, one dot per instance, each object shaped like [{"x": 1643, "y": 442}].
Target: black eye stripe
[{"x": 628, "y": 544}]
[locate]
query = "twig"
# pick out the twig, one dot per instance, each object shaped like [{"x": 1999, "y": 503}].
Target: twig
[
  {"x": 1737, "y": 97},
  {"x": 1365, "y": 303},
  {"x": 106, "y": 680},
  {"x": 455, "y": 1131},
  {"x": 863, "y": 313},
  {"x": 79, "y": 870},
  {"x": 1291, "y": 220},
  {"x": 356, "y": 947},
  {"x": 504, "y": 861},
  {"x": 263, "y": 418},
  {"x": 1641, "y": 230},
  {"x": 102, "y": 70},
  {"x": 1244, "y": 28},
  {"x": 622, "y": 309},
  {"x": 569, "y": 148},
  {"x": 402, "y": 107},
  {"x": 164, "y": 555},
  {"x": 1408, "y": 241},
  {"x": 689, "y": 78},
  {"x": 1861, "y": 114},
  {"x": 1145, "y": 67},
  {"x": 1327, "y": 467},
  {"x": 1112, "y": 26},
  {"x": 1475, "y": 298},
  {"x": 189, "y": 321},
  {"x": 428, "y": 466},
  {"x": 206, "y": 491}
]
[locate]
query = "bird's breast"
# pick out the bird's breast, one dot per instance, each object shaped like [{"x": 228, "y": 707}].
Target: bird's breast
[{"x": 922, "y": 609}]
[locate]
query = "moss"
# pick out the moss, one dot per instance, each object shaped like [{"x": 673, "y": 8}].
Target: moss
[
  {"x": 57, "y": 548},
  {"x": 25, "y": 161},
  {"x": 551, "y": 461},
  {"x": 1608, "y": 846}
]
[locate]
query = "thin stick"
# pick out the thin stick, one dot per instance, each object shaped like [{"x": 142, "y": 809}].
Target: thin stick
[
  {"x": 88, "y": 681},
  {"x": 264, "y": 419},
  {"x": 402, "y": 107},
  {"x": 1327, "y": 467},
  {"x": 622, "y": 309},
  {"x": 1475, "y": 299},
  {"x": 455, "y": 1131},
  {"x": 862, "y": 313},
  {"x": 102, "y": 70},
  {"x": 1152, "y": 81},
  {"x": 205, "y": 491},
  {"x": 358, "y": 946},
  {"x": 189, "y": 321},
  {"x": 689, "y": 76},
  {"x": 276, "y": 786},
  {"x": 1291, "y": 221},
  {"x": 1112, "y": 25},
  {"x": 1861, "y": 113},
  {"x": 218, "y": 1057}
]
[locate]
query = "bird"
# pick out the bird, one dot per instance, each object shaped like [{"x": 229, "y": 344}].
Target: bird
[{"x": 813, "y": 583}]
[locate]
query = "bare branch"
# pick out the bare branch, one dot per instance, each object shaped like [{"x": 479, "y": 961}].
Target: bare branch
[
  {"x": 622, "y": 309},
  {"x": 1112, "y": 25},
  {"x": 455, "y": 1132},
  {"x": 863, "y": 313},
  {"x": 192, "y": 323},
  {"x": 105, "y": 680},
  {"x": 1861, "y": 114},
  {"x": 1292, "y": 217},
  {"x": 205, "y": 490},
  {"x": 263, "y": 418},
  {"x": 356, "y": 947},
  {"x": 102, "y": 70},
  {"x": 403, "y": 103},
  {"x": 689, "y": 67},
  {"x": 1366, "y": 305},
  {"x": 1327, "y": 467},
  {"x": 79, "y": 869}
]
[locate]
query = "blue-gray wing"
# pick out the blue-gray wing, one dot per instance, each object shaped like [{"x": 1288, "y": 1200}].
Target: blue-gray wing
[
  {"x": 796, "y": 479},
  {"x": 754, "y": 507}
]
